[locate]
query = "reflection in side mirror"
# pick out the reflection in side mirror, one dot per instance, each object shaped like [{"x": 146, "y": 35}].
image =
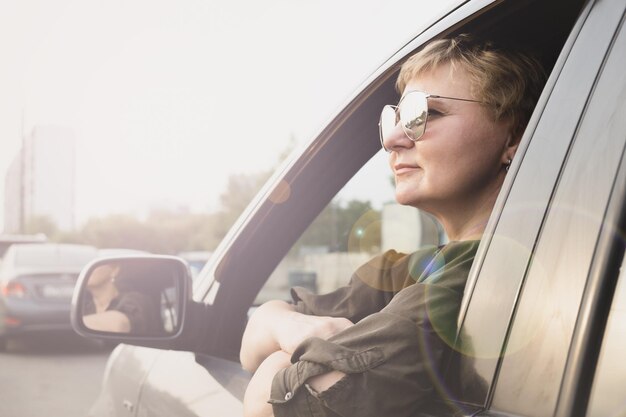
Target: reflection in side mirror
[{"x": 132, "y": 296}]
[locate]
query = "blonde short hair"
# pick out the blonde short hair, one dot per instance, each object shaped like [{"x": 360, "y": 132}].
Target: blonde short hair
[{"x": 507, "y": 81}]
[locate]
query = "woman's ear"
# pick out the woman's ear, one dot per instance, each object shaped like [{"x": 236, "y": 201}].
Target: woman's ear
[{"x": 510, "y": 148}]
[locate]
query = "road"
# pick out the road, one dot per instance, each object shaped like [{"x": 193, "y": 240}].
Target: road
[{"x": 50, "y": 376}]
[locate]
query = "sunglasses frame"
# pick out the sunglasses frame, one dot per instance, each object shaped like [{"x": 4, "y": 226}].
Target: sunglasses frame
[{"x": 404, "y": 128}]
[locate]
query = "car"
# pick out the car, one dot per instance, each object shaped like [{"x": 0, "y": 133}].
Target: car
[
  {"x": 36, "y": 286},
  {"x": 541, "y": 328}
]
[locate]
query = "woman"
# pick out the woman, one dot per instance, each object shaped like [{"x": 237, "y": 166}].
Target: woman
[
  {"x": 117, "y": 308},
  {"x": 451, "y": 139}
]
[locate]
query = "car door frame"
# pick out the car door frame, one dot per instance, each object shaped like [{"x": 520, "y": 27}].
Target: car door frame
[
  {"x": 602, "y": 23},
  {"x": 281, "y": 202}
]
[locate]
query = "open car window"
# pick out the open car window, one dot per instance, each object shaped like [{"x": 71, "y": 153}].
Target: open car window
[
  {"x": 361, "y": 221},
  {"x": 354, "y": 227}
]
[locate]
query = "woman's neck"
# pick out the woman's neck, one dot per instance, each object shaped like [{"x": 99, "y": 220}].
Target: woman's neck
[
  {"x": 473, "y": 230},
  {"x": 467, "y": 221}
]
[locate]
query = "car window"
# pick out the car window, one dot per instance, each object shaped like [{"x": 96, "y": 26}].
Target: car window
[
  {"x": 361, "y": 221},
  {"x": 546, "y": 315}
]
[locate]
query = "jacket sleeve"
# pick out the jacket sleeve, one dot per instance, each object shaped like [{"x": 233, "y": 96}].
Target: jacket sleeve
[
  {"x": 370, "y": 289},
  {"x": 390, "y": 353},
  {"x": 142, "y": 312}
]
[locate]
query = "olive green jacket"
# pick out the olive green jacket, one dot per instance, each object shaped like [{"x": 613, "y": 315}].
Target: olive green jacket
[{"x": 405, "y": 308}]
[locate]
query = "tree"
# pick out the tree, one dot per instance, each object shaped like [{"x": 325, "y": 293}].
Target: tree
[
  {"x": 177, "y": 232},
  {"x": 242, "y": 188},
  {"x": 41, "y": 224},
  {"x": 171, "y": 232},
  {"x": 354, "y": 226},
  {"x": 119, "y": 231},
  {"x": 240, "y": 191}
]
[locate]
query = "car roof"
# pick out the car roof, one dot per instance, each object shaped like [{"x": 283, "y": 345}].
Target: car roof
[
  {"x": 46, "y": 257},
  {"x": 195, "y": 255},
  {"x": 6, "y": 240}
]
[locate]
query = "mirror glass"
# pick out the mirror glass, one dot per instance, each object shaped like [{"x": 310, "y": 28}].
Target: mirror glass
[{"x": 134, "y": 296}]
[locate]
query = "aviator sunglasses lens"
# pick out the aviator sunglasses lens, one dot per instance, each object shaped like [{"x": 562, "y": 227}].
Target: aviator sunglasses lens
[
  {"x": 387, "y": 123},
  {"x": 411, "y": 114},
  {"x": 413, "y": 109}
]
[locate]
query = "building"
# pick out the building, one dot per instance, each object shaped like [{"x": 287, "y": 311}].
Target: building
[
  {"x": 40, "y": 183},
  {"x": 406, "y": 229}
]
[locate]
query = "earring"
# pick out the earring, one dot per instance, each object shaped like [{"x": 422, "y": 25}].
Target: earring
[{"x": 508, "y": 165}]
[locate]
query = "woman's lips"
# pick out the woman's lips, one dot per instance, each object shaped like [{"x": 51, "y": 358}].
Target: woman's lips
[{"x": 401, "y": 169}]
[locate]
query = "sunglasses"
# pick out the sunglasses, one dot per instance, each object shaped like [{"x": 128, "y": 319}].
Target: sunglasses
[{"x": 411, "y": 113}]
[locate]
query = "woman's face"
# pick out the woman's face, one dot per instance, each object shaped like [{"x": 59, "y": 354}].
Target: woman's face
[
  {"x": 102, "y": 275},
  {"x": 459, "y": 161}
]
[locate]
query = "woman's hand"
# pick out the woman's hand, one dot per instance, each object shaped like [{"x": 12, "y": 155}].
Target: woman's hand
[
  {"x": 277, "y": 326},
  {"x": 298, "y": 327}
]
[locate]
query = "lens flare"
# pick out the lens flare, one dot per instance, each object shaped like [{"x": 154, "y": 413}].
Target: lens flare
[
  {"x": 281, "y": 192},
  {"x": 365, "y": 234}
]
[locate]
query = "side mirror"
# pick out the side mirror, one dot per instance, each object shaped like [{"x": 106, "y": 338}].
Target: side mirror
[{"x": 133, "y": 299}]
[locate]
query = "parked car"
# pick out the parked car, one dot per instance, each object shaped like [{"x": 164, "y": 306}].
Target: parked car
[
  {"x": 542, "y": 324},
  {"x": 36, "y": 285}
]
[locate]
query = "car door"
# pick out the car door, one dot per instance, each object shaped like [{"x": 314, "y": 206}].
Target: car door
[
  {"x": 182, "y": 383},
  {"x": 540, "y": 261},
  {"x": 124, "y": 374},
  {"x": 549, "y": 310}
]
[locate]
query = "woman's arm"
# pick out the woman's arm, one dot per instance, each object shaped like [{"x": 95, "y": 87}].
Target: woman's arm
[
  {"x": 255, "y": 400},
  {"x": 276, "y": 326},
  {"x": 321, "y": 383},
  {"x": 108, "y": 321},
  {"x": 258, "y": 392}
]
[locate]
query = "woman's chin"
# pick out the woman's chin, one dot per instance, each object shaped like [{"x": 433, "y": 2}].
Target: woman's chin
[{"x": 406, "y": 199}]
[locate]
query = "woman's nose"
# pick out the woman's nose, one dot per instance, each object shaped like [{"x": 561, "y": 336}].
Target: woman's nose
[{"x": 397, "y": 139}]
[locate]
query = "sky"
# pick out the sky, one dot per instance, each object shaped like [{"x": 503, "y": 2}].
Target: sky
[{"x": 168, "y": 98}]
